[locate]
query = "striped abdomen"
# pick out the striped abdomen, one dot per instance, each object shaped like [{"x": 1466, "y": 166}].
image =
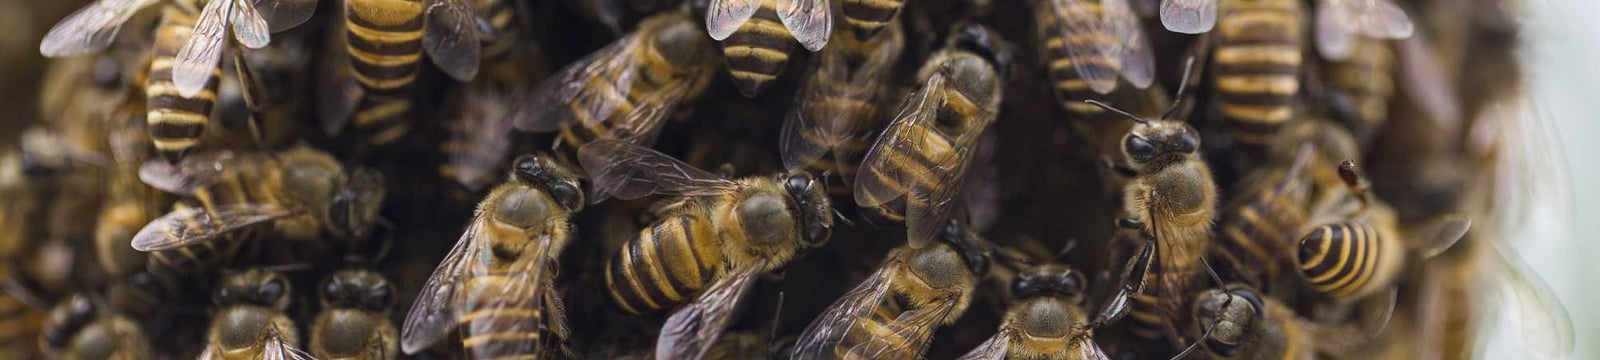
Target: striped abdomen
[
  {"x": 1259, "y": 232},
  {"x": 176, "y": 122},
  {"x": 1258, "y": 63},
  {"x": 19, "y": 327},
  {"x": 1348, "y": 260},
  {"x": 867, "y": 17},
  {"x": 243, "y": 187},
  {"x": 1362, "y": 84},
  {"x": 670, "y": 261},
  {"x": 873, "y": 334},
  {"x": 500, "y": 326},
  {"x": 759, "y": 50},
  {"x": 653, "y": 76},
  {"x": 498, "y": 62},
  {"x": 1071, "y": 89},
  {"x": 384, "y": 40},
  {"x": 1144, "y": 318}
]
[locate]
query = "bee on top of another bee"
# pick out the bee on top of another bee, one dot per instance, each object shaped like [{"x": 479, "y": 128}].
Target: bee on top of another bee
[
  {"x": 758, "y": 36},
  {"x": 251, "y": 321},
  {"x": 840, "y": 106}
]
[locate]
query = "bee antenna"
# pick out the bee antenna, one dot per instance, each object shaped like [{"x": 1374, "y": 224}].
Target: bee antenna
[
  {"x": 1110, "y": 108},
  {"x": 1212, "y": 271},
  {"x": 1213, "y": 326},
  {"x": 842, "y": 219},
  {"x": 1183, "y": 87}
]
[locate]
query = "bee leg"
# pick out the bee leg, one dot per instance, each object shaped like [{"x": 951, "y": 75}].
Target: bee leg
[{"x": 1120, "y": 303}]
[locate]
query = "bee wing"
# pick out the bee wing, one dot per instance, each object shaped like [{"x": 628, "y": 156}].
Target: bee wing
[
  {"x": 284, "y": 14},
  {"x": 691, "y": 330},
  {"x": 1089, "y": 350},
  {"x": 996, "y": 348},
  {"x": 1335, "y": 37},
  {"x": 817, "y": 125},
  {"x": 882, "y": 178},
  {"x": 725, "y": 16},
  {"x": 1381, "y": 19},
  {"x": 337, "y": 91},
  {"x": 641, "y": 125},
  {"x": 1138, "y": 62},
  {"x": 1189, "y": 16},
  {"x": 194, "y": 172},
  {"x": 202, "y": 53},
  {"x": 927, "y": 210},
  {"x": 1425, "y": 82},
  {"x": 630, "y": 171},
  {"x": 546, "y": 106},
  {"x": 279, "y": 348},
  {"x": 912, "y": 331},
  {"x": 91, "y": 28},
  {"x": 1074, "y": 20},
  {"x": 249, "y": 28},
  {"x": 451, "y": 38},
  {"x": 1544, "y": 322},
  {"x": 518, "y": 293},
  {"x": 194, "y": 225},
  {"x": 433, "y": 313},
  {"x": 834, "y": 326},
  {"x": 810, "y": 21},
  {"x": 483, "y": 128},
  {"x": 804, "y": 137}
]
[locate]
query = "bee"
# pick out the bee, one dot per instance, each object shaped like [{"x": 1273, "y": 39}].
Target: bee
[
  {"x": 756, "y": 36},
  {"x": 251, "y": 320},
  {"x": 1046, "y": 321},
  {"x": 838, "y": 109},
  {"x": 711, "y": 242},
  {"x": 480, "y": 137},
  {"x": 95, "y": 26},
  {"x": 175, "y": 120},
  {"x": 496, "y": 284},
  {"x": 625, "y": 90},
  {"x": 128, "y": 206},
  {"x": 1247, "y": 325},
  {"x": 894, "y": 313},
  {"x": 1258, "y": 58},
  {"x": 505, "y": 48},
  {"x": 1086, "y": 45},
  {"x": 1360, "y": 86},
  {"x": 1259, "y": 224},
  {"x": 915, "y": 169},
  {"x": 384, "y": 41},
  {"x": 354, "y": 322},
  {"x": 1189, "y": 16},
  {"x": 81, "y": 328},
  {"x": 301, "y": 192}
]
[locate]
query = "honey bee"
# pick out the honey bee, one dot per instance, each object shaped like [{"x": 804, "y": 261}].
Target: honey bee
[
  {"x": 1360, "y": 85},
  {"x": 1259, "y": 223},
  {"x": 710, "y": 243},
  {"x": 837, "y": 108},
  {"x": 625, "y": 90},
  {"x": 1190, "y": 16},
  {"x": 383, "y": 43},
  {"x": 496, "y": 283},
  {"x": 480, "y": 137},
  {"x": 95, "y": 26},
  {"x": 894, "y": 313},
  {"x": 1087, "y": 45},
  {"x": 867, "y": 18},
  {"x": 354, "y": 322},
  {"x": 503, "y": 48},
  {"x": 301, "y": 192},
  {"x": 1258, "y": 58},
  {"x": 251, "y": 322},
  {"x": 1247, "y": 325},
  {"x": 81, "y": 328},
  {"x": 756, "y": 34},
  {"x": 1046, "y": 321},
  {"x": 917, "y": 166}
]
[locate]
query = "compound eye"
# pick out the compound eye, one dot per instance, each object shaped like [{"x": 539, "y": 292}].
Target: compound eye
[
  {"x": 797, "y": 184},
  {"x": 527, "y": 167},
  {"x": 382, "y": 297},
  {"x": 1073, "y": 283},
  {"x": 569, "y": 196},
  {"x": 1022, "y": 286},
  {"x": 272, "y": 290},
  {"x": 1139, "y": 149},
  {"x": 1189, "y": 142}
]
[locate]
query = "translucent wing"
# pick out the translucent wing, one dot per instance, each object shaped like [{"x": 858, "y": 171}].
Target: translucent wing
[
  {"x": 810, "y": 21},
  {"x": 194, "y": 172},
  {"x": 279, "y": 348},
  {"x": 248, "y": 27},
  {"x": 883, "y": 176},
  {"x": 725, "y": 16},
  {"x": 691, "y": 330},
  {"x": 451, "y": 38},
  {"x": 928, "y": 210},
  {"x": 804, "y": 139},
  {"x": 996, "y": 348},
  {"x": 1381, "y": 19},
  {"x": 1543, "y": 321},
  {"x": 641, "y": 125},
  {"x": 1189, "y": 16},
  {"x": 1138, "y": 62},
  {"x": 481, "y": 132},
  {"x": 91, "y": 28},
  {"x": 1089, "y": 350},
  {"x": 629, "y": 171},
  {"x": 1074, "y": 20},
  {"x": 202, "y": 53},
  {"x": 838, "y": 322},
  {"x": 195, "y": 225},
  {"x": 585, "y": 86},
  {"x": 285, "y": 14},
  {"x": 909, "y": 334},
  {"x": 1424, "y": 81},
  {"x": 1335, "y": 39},
  {"x": 818, "y": 124},
  {"x": 433, "y": 313},
  {"x": 519, "y": 293}
]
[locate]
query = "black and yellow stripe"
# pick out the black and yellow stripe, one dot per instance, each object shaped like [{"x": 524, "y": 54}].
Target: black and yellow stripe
[
  {"x": 672, "y": 260},
  {"x": 858, "y": 109},
  {"x": 1258, "y": 231},
  {"x": 1362, "y": 84},
  {"x": 499, "y": 63},
  {"x": 246, "y": 185},
  {"x": 384, "y": 40},
  {"x": 498, "y": 326},
  {"x": 1347, "y": 260},
  {"x": 759, "y": 50},
  {"x": 1071, "y": 89},
  {"x": 867, "y": 17},
  {"x": 175, "y": 122},
  {"x": 1144, "y": 318},
  {"x": 656, "y": 73},
  {"x": 1258, "y": 60}
]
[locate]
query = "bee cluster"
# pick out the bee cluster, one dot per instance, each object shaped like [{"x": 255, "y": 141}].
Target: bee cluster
[{"x": 741, "y": 179}]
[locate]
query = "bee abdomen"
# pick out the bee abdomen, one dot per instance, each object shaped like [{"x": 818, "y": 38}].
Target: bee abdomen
[
  {"x": 1144, "y": 322},
  {"x": 920, "y": 163},
  {"x": 495, "y": 326},
  {"x": 669, "y": 262},
  {"x": 1069, "y": 88},
  {"x": 1258, "y": 63},
  {"x": 1344, "y": 259},
  {"x": 382, "y": 117},
  {"x": 385, "y": 43},
  {"x": 501, "y": 16},
  {"x": 868, "y": 17},
  {"x": 758, "y": 51},
  {"x": 176, "y": 122},
  {"x": 1365, "y": 82}
]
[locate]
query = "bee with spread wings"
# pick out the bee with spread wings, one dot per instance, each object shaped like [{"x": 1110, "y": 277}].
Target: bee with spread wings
[
  {"x": 625, "y": 90},
  {"x": 1339, "y": 22},
  {"x": 93, "y": 27},
  {"x": 710, "y": 244},
  {"x": 1119, "y": 46},
  {"x": 756, "y": 51},
  {"x": 809, "y": 21},
  {"x": 916, "y": 168},
  {"x": 1190, "y": 16}
]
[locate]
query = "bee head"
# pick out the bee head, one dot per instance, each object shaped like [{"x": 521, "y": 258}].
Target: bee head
[
  {"x": 984, "y": 42},
  {"x": 964, "y": 239},
  {"x": 1236, "y": 313},
  {"x": 66, "y": 318},
  {"x": 310, "y": 177},
  {"x": 1160, "y": 142},
  {"x": 359, "y": 289},
  {"x": 1048, "y": 278},
  {"x": 815, "y": 210},
  {"x": 562, "y": 184},
  {"x": 255, "y": 287}
]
